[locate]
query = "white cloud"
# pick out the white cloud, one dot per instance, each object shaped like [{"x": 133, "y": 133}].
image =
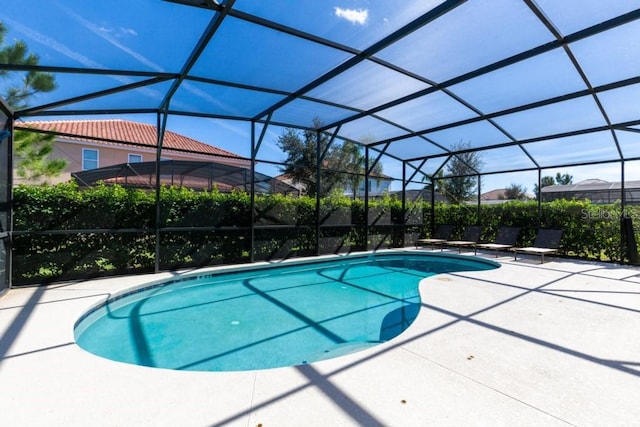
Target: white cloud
[
  {"x": 107, "y": 34},
  {"x": 112, "y": 36},
  {"x": 50, "y": 43},
  {"x": 72, "y": 54},
  {"x": 355, "y": 16},
  {"x": 128, "y": 31},
  {"x": 121, "y": 32}
]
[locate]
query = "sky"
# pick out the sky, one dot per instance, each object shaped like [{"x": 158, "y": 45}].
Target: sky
[{"x": 151, "y": 35}]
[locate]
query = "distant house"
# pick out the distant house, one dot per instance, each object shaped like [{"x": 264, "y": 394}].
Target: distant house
[
  {"x": 494, "y": 196},
  {"x": 497, "y": 196},
  {"x": 288, "y": 180},
  {"x": 378, "y": 185},
  {"x": 95, "y": 144},
  {"x": 596, "y": 190}
]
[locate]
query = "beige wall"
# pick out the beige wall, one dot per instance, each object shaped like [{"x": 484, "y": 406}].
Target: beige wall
[{"x": 109, "y": 154}]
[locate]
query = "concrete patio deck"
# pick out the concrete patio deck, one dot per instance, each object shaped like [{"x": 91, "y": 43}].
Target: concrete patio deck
[{"x": 525, "y": 344}]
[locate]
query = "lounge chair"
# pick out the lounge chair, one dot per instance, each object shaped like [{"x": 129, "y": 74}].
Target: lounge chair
[
  {"x": 547, "y": 242},
  {"x": 505, "y": 239},
  {"x": 470, "y": 237},
  {"x": 442, "y": 234}
]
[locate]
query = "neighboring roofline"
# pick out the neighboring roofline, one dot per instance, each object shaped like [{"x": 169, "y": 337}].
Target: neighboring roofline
[
  {"x": 584, "y": 186},
  {"x": 198, "y": 147}
]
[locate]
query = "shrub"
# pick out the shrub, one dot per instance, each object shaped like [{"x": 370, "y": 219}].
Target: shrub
[{"x": 63, "y": 232}]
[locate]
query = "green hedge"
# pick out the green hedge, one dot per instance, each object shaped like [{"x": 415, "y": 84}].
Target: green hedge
[
  {"x": 589, "y": 231},
  {"x": 118, "y": 228}
]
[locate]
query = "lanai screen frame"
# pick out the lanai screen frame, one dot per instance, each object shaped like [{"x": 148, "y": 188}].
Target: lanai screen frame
[
  {"x": 374, "y": 150},
  {"x": 6, "y": 151}
]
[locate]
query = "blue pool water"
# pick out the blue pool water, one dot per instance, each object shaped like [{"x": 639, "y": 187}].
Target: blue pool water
[{"x": 266, "y": 317}]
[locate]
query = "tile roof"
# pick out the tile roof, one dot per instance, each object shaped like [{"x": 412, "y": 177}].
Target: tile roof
[{"x": 124, "y": 131}]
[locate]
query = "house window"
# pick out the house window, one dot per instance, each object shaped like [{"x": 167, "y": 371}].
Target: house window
[
  {"x": 135, "y": 158},
  {"x": 89, "y": 159}
]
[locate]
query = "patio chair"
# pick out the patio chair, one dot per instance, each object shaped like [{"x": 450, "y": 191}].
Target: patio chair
[
  {"x": 547, "y": 242},
  {"x": 442, "y": 234},
  {"x": 470, "y": 237},
  {"x": 505, "y": 239}
]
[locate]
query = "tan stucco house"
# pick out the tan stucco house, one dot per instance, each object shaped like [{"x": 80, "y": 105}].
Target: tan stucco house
[{"x": 93, "y": 144}]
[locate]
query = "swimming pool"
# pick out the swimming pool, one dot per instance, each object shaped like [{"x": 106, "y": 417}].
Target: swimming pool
[{"x": 266, "y": 317}]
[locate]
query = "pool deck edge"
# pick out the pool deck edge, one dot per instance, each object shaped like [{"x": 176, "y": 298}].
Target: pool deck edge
[{"x": 525, "y": 344}]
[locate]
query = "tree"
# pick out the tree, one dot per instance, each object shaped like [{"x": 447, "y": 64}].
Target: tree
[
  {"x": 544, "y": 182},
  {"x": 514, "y": 192},
  {"x": 560, "y": 179},
  {"x": 341, "y": 165},
  {"x": 353, "y": 161},
  {"x": 302, "y": 159},
  {"x": 31, "y": 149},
  {"x": 463, "y": 168},
  {"x": 563, "y": 179},
  {"x": 32, "y": 152},
  {"x": 21, "y": 87},
  {"x": 435, "y": 182}
]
